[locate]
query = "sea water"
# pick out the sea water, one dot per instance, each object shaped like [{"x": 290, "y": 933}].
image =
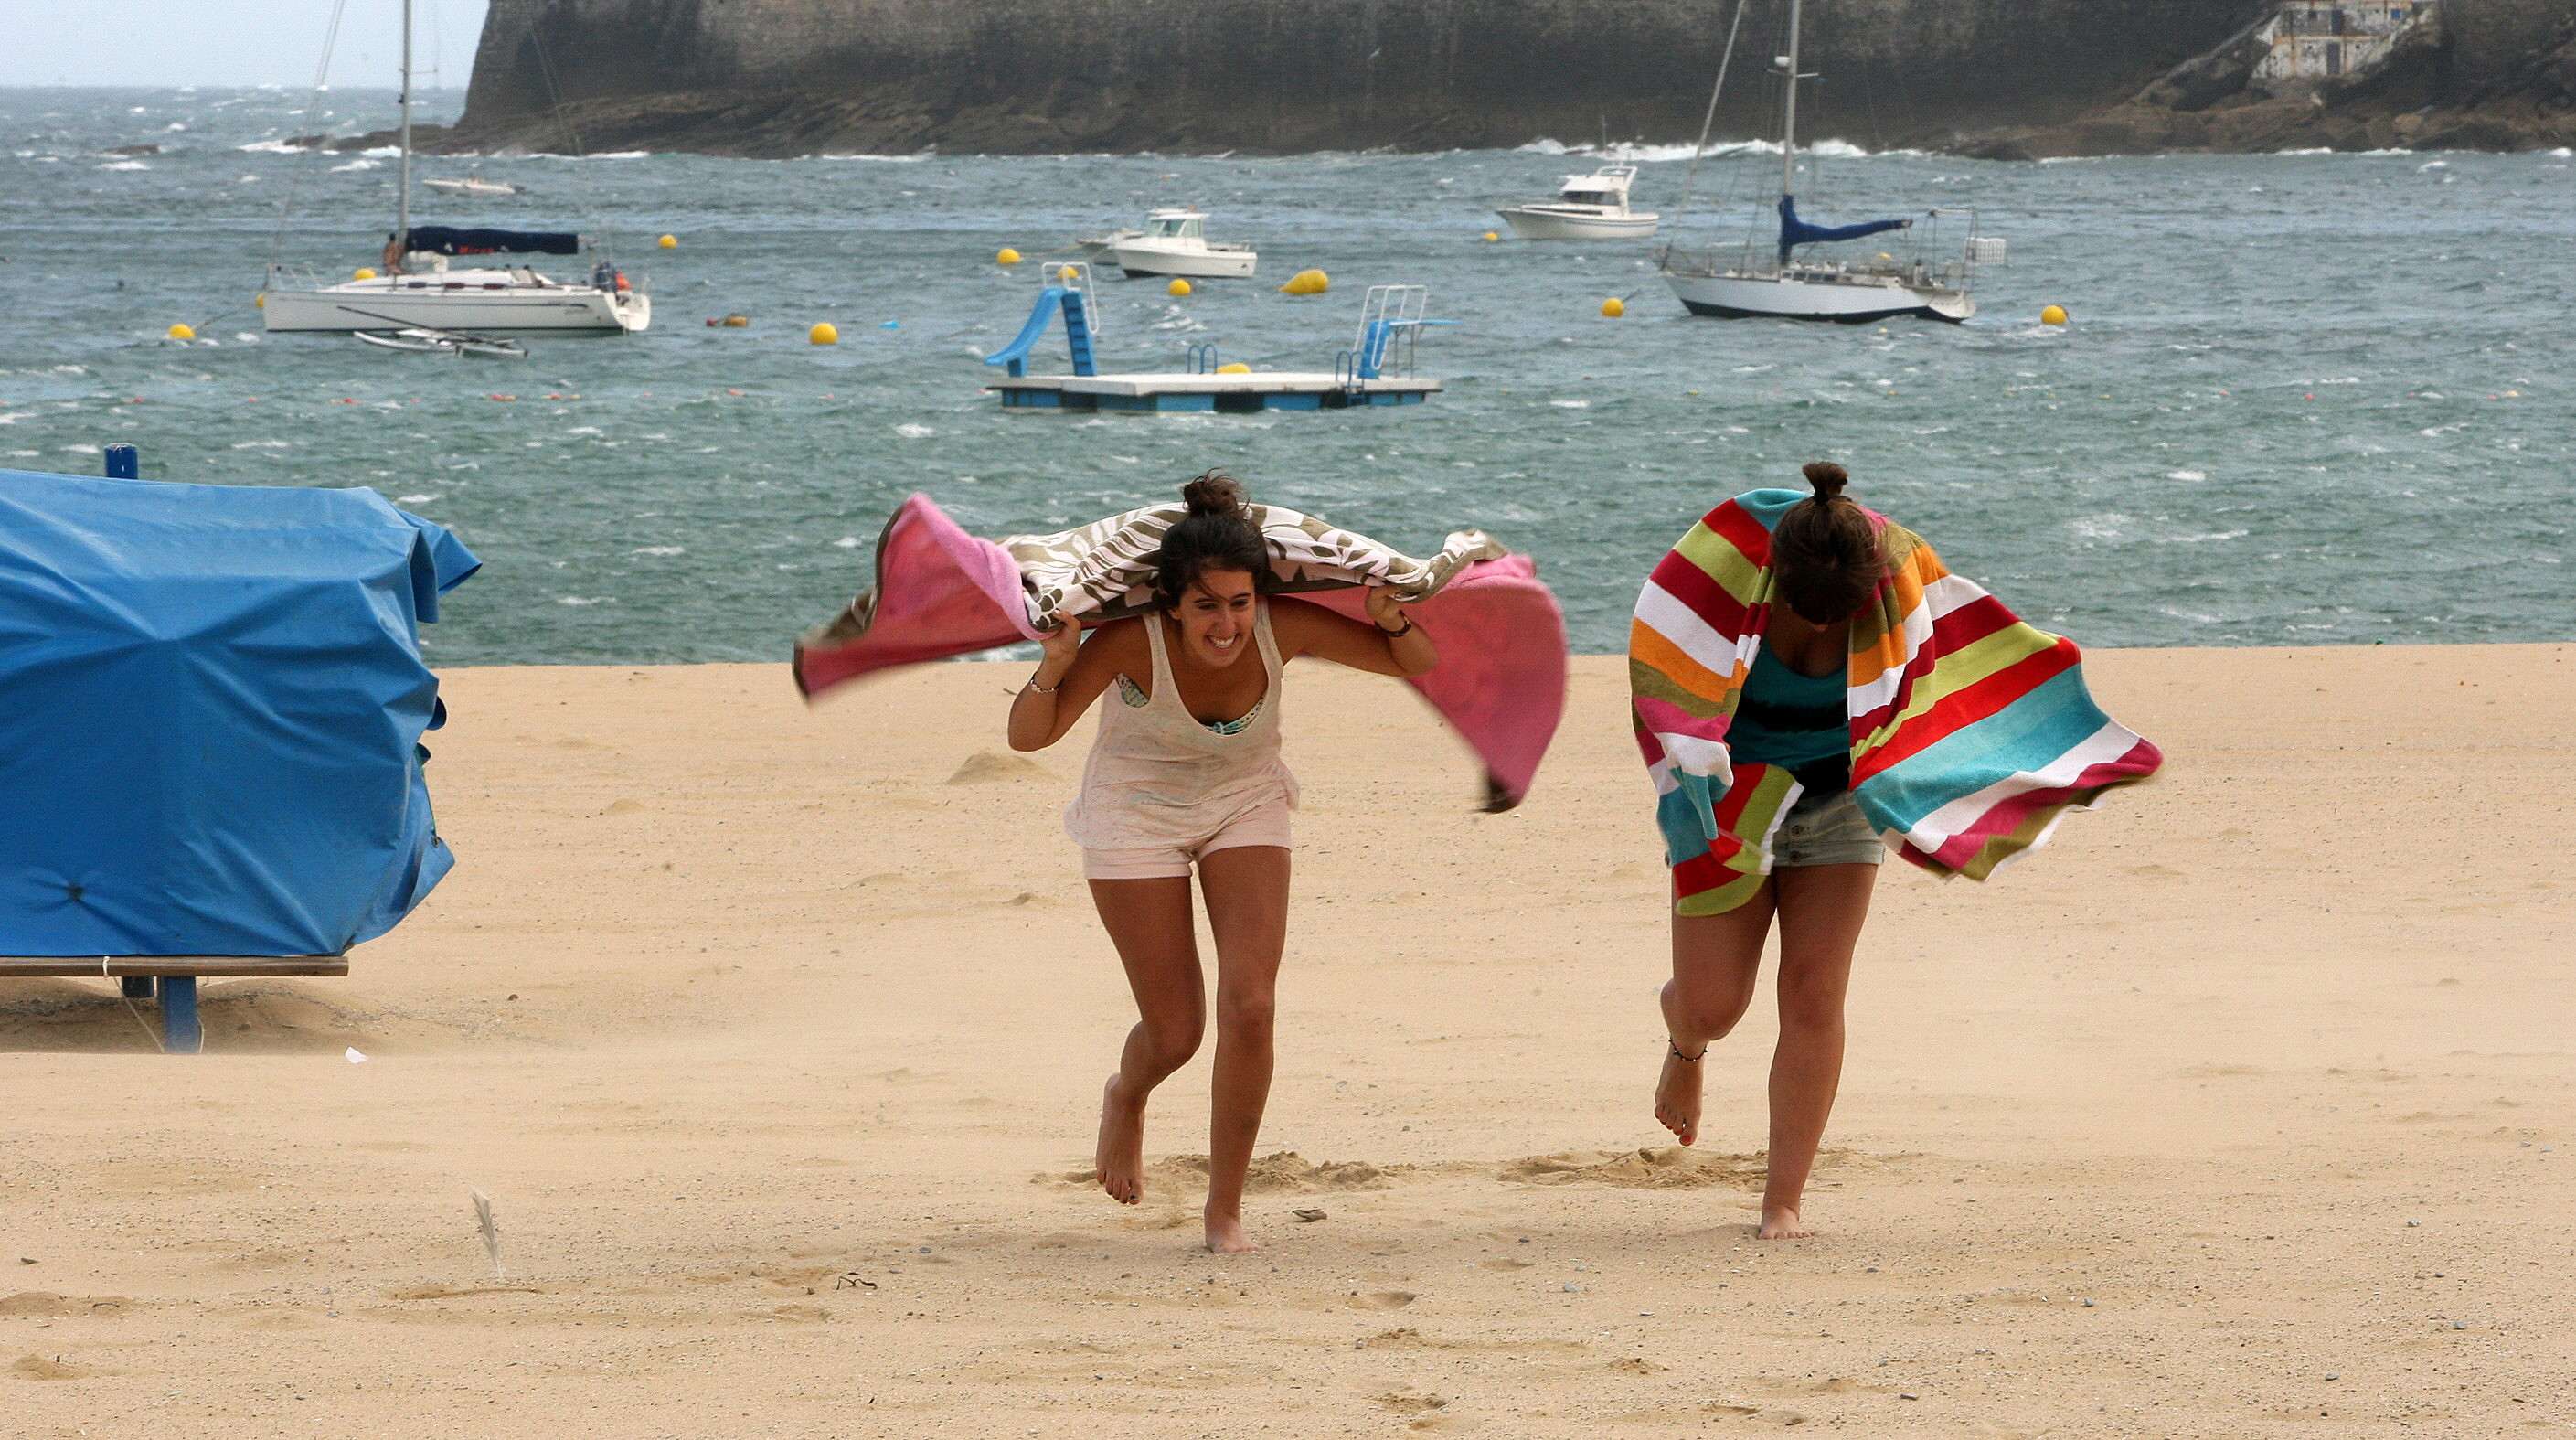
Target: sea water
[{"x": 2305, "y": 399}]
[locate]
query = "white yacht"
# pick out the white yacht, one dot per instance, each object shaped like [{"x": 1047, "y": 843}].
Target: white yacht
[
  {"x": 420, "y": 291},
  {"x": 1587, "y": 207},
  {"x": 1175, "y": 243},
  {"x": 1769, "y": 279}
]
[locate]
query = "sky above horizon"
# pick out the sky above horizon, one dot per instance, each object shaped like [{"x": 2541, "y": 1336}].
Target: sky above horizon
[{"x": 234, "y": 42}]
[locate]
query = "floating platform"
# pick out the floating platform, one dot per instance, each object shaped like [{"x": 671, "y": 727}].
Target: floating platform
[
  {"x": 1208, "y": 393},
  {"x": 1376, "y": 370}
]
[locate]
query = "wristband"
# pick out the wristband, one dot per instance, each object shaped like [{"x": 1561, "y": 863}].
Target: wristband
[{"x": 1397, "y": 634}]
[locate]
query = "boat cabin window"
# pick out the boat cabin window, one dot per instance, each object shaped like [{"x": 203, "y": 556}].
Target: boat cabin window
[
  {"x": 1590, "y": 197},
  {"x": 1179, "y": 227}
]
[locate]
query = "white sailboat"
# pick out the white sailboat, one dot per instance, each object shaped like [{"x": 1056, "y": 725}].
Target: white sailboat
[
  {"x": 419, "y": 291},
  {"x": 1747, "y": 284}
]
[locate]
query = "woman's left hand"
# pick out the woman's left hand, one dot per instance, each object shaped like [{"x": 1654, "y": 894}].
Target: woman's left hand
[{"x": 1384, "y": 610}]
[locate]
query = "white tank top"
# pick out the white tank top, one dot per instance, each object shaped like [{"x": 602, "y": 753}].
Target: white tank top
[{"x": 1157, "y": 776}]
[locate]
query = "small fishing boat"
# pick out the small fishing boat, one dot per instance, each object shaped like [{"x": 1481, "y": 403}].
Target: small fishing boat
[
  {"x": 453, "y": 343},
  {"x": 1175, "y": 243},
  {"x": 1587, "y": 207}
]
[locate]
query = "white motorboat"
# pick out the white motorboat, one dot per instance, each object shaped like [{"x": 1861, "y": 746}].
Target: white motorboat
[
  {"x": 419, "y": 291},
  {"x": 472, "y": 185},
  {"x": 1587, "y": 207},
  {"x": 1768, "y": 278},
  {"x": 1175, "y": 243}
]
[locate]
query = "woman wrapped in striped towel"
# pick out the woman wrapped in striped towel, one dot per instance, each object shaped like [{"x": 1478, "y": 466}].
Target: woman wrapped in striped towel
[{"x": 1811, "y": 687}]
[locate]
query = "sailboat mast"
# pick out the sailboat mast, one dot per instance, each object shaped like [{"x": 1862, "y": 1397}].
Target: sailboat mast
[
  {"x": 1788, "y": 111},
  {"x": 402, "y": 204}
]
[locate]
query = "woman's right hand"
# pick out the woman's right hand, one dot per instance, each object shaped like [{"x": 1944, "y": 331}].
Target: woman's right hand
[{"x": 1061, "y": 644}]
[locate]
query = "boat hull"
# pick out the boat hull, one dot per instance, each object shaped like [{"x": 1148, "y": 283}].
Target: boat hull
[
  {"x": 1528, "y": 224},
  {"x": 454, "y": 303},
  {"x": 1846, "y": 302},
  {"x": 1145, "y": 262}
]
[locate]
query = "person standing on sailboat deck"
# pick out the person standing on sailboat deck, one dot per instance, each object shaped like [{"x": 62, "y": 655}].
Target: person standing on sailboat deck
[
  {"x": 1185, "y": 771},
  {"x": 1810, "y": 688}
]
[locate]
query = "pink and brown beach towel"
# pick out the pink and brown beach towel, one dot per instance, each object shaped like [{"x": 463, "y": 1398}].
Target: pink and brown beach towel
[{"x": 941, "y": 592}]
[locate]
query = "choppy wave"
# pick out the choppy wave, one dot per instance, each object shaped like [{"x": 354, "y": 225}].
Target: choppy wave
[{"x": 1620, "y": 153}]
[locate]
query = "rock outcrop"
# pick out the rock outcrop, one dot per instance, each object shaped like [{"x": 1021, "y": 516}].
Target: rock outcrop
[
  {"x": 2478, "y": 75},
  {"x": 790, "y": 77}
]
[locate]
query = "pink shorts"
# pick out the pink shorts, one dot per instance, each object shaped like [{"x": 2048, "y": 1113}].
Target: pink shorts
[{"x": 1263, "y": 824}]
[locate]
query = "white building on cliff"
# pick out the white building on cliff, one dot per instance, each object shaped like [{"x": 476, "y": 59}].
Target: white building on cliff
[{"x": 2322, "y": 39}]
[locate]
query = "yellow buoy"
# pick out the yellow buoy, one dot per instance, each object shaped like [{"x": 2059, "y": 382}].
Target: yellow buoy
[
  {"x": 1234, "y": 367},
  {"x": 1068, "y": 275},
  {"x": 1006, "y": 256},
  {"x": 737, "y": 322},
  {"x": 183, "y": 331},
  {"x": 1177, "y": 288},
  {"x": 1491, "y": 237},
  {"x": 259, "y": 301},
  {"x": 669, "y": 242},
  {"x": 2053, "y": 315},
  {"x": 1614, "y": 307},
  {"x": 364, "y": 274},
  {"x": 824, "y": 333},
  {"x": 1307, "y": 282}
]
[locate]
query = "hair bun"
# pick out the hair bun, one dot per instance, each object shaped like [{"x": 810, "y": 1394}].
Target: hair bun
[
  {"x": 1214, "y": 493},
  {"x": 1828, "y": 478}
]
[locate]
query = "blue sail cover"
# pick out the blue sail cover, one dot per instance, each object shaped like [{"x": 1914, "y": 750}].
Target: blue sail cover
[
  {"x": 1795, "y": 232},
  {"x": 211, "y": 705},
  {"x": 455, "y": 240}
]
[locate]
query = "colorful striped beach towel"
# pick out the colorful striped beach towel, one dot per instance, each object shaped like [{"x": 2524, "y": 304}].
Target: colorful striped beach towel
[{"x": 1972, "y": 734}]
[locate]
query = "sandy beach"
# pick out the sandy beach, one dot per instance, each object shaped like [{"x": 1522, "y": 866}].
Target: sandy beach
[{"x": 776, "y": 1036}]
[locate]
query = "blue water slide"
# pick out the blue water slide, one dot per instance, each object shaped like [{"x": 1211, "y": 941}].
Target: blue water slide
[{"x": 1016, "y": 354}]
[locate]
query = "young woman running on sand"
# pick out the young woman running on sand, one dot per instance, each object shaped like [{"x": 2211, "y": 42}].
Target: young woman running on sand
[
  {"x": 1784, "y": 582},
  {"x": 1185, "y": 771}
]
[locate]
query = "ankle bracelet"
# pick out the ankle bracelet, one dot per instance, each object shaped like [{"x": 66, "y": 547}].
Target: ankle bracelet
[{"x": 1687, "y": 1059}]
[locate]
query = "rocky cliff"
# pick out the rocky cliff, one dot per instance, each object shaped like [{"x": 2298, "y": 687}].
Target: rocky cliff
[
  {"x": 2479, "y": 75},
  {"x": 789, "y": 77}
]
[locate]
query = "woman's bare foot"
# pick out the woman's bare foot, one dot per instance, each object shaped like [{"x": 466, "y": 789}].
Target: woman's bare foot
[
  {"x": 1677, "y": 1095},
  {"x": 1225, "y": 1235},
  {"x": 1780, "y": 1222},
  {"x": 1120, "y": 1157}
]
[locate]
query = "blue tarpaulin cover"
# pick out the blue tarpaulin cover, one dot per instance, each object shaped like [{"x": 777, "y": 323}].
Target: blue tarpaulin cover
[{"x": 211, "y": 705}]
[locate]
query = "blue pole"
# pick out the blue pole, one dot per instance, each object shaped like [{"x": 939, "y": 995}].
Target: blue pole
[{"x": 123, "y": 463}]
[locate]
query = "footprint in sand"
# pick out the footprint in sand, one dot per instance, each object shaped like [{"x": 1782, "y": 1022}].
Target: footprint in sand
[
  {"x": 988, "y": 766},
  {"x": 1670, "y": 1167},
  {"x": 1383, "y": 1300},
  {"x": 1406, "y": 1403}
]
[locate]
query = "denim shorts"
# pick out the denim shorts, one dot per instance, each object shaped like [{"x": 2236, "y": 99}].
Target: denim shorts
[{"x": 1825, "y": 830}]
